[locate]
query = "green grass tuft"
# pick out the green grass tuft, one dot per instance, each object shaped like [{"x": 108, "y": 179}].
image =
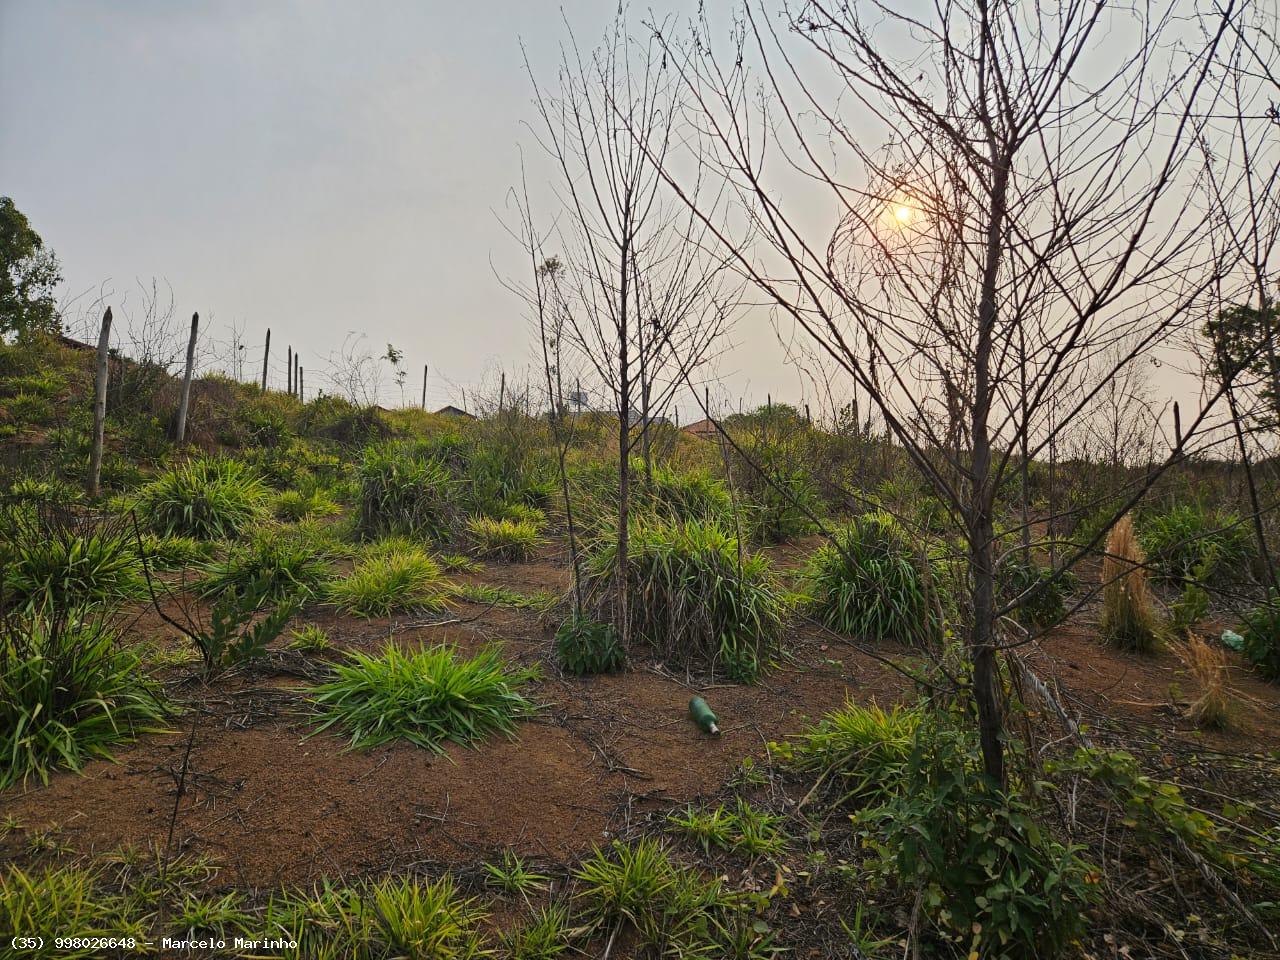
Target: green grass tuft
[
  {"x": 504, "y": 540},
  {"x": 394, "y": 581},
  {"x": 68, "y": 692},
  {"x": 429, "y": 697},
  {"x": 210, "y": 499}
]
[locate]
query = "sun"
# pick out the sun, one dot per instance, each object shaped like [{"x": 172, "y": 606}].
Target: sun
[{"x": 903, "y": 213}]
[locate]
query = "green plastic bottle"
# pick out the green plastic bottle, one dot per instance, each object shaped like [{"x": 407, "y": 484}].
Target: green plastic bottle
[{"x": 703, "y": 716}]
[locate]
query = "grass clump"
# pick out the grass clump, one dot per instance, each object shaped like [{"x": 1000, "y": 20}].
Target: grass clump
[
  {"x": 513, "y": 875},
  {"x": 68, "y": 692},
  {"x": 311, "y": 638},
  {"x": 504, "y": 539},
  {"x": 547, "y": 935},
  {"x": 696, "y": 597},
  {"x": 429, "y": 697},
  {"x": 1207, "y": 666},
  {"x": 740, "y": 829},
  {"x": 175, "y": 552},
  {"x": 293, "y": 505},
  {"x": 505, "y": 597},
  {"x": 864, "y": 749},
  {"x": 274, "y": 568},
  {"x": 402, "y": 493},
  {"x": 674, "y": 910},
  {"x": 585, "y": 647},
  {"x": 58, "y": 559},
  {"x": 210, "y": 499},
  {"x": 62, "y": 902},
  {"x": 1129, "y": 620},
  {"x": 398, "y": 580},
  {"x": 872, "y": 583},
  {"x": 393, "y": 917}
]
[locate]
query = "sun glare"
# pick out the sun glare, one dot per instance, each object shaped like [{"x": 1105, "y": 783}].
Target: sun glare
[{"x": 904, "y": 214}]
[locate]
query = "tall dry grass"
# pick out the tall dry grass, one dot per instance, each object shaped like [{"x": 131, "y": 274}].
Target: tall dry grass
[
  {"x": 1129, "y": 619},
  {"x": 1207, "y": 666}
]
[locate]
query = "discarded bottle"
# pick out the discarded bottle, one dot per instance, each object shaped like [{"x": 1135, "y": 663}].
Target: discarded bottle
[
  {"x": 1232, "y": 640},
  {"x": 703, "y": 716}
]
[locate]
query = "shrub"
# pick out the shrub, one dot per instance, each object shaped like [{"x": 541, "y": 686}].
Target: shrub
[
  {"x": 51, "y": 557},
  {"x": 1043, "y": 595},
  {"x": 279, "y": 568},
  {"x": 394, "y": 581},
  {"x": 696, "y": 597},
  {"x": 1189, "y": 536},
  {"x": 546, "y": 935},
  {"x": 504, "y": 540},
  {"x": 695, "y": 495},
  {"x": 403, "y": 494},
  {"x": 586, "y": 647},
  {"x": 1129, "y": 619},
  {"x": 243, "y": 621},
  {"x": 210, "y": 499},
  {"x": 68, "y": 692},
  {"x": 429, "y": 697},
  {"x": 871, "y": 583},
  {"x": 1262, "y": 638},
  {"x": 991, "y": 879}
]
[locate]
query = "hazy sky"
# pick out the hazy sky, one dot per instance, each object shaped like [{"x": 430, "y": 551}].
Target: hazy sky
[{"x": 317, "y": 167}]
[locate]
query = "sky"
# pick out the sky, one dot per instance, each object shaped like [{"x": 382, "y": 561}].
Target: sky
[{"x": 319, "y": 168}]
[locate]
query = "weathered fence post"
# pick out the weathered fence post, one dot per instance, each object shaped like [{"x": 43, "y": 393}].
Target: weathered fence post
[
  {"x": 502, "y": 391},
  {"x": 288, "y": 372},
  {"x": 186, "y": 379},
  {"x": 100, "y": 404},
  {"x": 297, "y": 374},
  {"x": 300, "y": 372},
  {"x": 266, "y": 359},
  {"x": 424, "y": 386}
]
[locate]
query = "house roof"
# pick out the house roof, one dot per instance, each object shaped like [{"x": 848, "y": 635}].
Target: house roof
[
  {"x": 449, "y": 410},
  {"x": 704, "y": 428}
]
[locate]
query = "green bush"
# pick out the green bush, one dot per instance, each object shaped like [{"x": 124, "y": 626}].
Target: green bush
[
  {"x": 209, "y": 499},
  {"x": 68, "y": 692},
  {"x": 429, "y": 697},
  {"x": 991, "y": 880},
  {"x": 172, "y": 553},
  {"x": 402, "y": 493},
  {"x": 1184, "y": 538},
  {"x": 1262, "y": 638},
  {"x": 504, "y": 540},
  {"x": 585, "y": 647},
  {"x": 279, "y": 568},
  {"x": 1043, "y": 596},
  {"x": 396, "y": 580},
  {"x": 872, "y": 582},
  {"x": 695, "y": 495},
  {"x": 695, "y": 597}
]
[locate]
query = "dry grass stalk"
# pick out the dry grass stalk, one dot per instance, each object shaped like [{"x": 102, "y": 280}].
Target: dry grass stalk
[
  {"x": 1129, "y": 619},
  {"x": 1207, "y": 665}
]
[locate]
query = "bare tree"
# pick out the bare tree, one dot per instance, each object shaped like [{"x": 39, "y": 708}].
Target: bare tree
[
  {"x": 1006, "y": 211},
  {"x": 639, "y": 286}
]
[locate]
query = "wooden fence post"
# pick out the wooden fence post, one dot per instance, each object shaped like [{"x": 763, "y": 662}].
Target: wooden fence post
[
  {"x": 502, "y": 391},
  {"x": 424, "y": 386},
  {"x": 288, "y": 372},
  {"x": 100, "y": 405},
  {"x": 297, "y": 373},
  {"x": 300, "y": 372},
  {"x": 266, "y": 360},
  {"x": 186, "y": 379}
]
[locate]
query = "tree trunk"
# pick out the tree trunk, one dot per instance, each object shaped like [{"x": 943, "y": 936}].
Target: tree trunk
[
  {"x": 100, "y": 405},
  {"x": 186, "y": 380}
]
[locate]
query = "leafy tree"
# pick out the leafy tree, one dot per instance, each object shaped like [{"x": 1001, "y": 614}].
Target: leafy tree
[
  {"x": 28, "y": 273},
  {"x": 1243, "y": 337}
]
